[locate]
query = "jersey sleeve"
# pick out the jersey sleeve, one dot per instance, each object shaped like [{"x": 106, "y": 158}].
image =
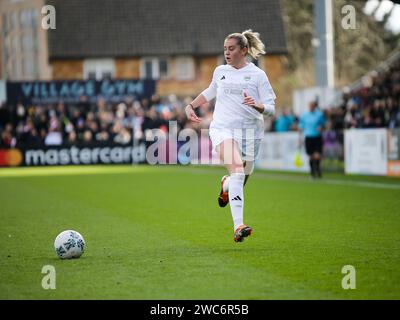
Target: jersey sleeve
[
  {"x": 211, "y": 92},
  {"x": 267, "y": 95}
]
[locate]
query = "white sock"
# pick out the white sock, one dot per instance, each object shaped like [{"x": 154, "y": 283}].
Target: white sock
[
  {"x": 225, "y": 186},
  {"x": 236, "y": 198}
]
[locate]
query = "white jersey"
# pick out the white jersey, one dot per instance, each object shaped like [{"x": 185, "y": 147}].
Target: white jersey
[{"x": 228, "y": 86}]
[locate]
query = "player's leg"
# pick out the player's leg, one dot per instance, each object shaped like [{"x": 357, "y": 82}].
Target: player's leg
[
  {"x": 312, "y": 166},
  {"x": 317, "y": 164},
  {"x": 248, "y": 169},
  {"x": 318, "y": 156},
  {"x": 249, "y": 152},
  {"x": 217, "y": 137},
  {"x": 228, "y": 152},
  {"x": 223, "y": 198},
  {"x": 310, "y": 153}
]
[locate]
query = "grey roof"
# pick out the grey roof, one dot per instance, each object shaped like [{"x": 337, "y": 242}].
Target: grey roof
[{"x": 122, "y": 28}]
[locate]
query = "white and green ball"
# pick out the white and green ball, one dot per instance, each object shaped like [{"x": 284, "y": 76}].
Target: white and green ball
[{"x": 69, "y": 244}]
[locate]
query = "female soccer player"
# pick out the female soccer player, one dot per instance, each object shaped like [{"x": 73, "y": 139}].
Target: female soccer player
[{"x": 243, "y": 94}]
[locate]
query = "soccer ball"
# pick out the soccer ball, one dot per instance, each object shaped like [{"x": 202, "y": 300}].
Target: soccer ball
[{"x": 69, "y": 244}]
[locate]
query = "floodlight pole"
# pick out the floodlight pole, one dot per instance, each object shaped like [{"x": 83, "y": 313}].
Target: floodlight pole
[{"x": 324, "y": 43}]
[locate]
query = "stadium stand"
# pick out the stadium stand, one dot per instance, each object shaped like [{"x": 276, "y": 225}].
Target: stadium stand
[{"x": 373, "y": 102}]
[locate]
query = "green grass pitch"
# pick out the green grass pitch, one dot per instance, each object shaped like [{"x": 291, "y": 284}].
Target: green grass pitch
[{"x": 156, "y": 232}]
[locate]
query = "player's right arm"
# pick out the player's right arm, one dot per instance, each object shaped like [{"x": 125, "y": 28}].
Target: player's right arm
[
  {"x": 207, "y": 95},
  {"x": 189, "y": 109}
]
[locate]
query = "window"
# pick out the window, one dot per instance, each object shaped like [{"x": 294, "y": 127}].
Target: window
[
  {"x": 154, "y": 68},
  {"x": 91, "y": 75},
  {"x": 107, "y": 75},
  {"x": 12, "y": 68},
  {"x": 185, "y": 68},
  {"x": 25, "y": 18},
  {"x": 99, "y": 69},
  {"x": 163, "y": 68},
  {"x": 16, "y": 70},
  {"x": 28, "y": 67},
  {"x": 148, "y": 73},
  {"x": 6, "y": 50},
  {"x": 6, "y": 25},
  {"x": 27, "y": 42},
  {"x": 28, "y": 18},
  {"x": 13, "y": 20},
  {"x": 14, "y": 44}
]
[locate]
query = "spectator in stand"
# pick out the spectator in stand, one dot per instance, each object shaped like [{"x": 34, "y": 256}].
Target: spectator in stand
[
  {"x": 33, "y": 139},
  {"x": 285, "y": 121},
  {"x": 104, "y": 134},
  {"x": 368, "y": 121},
  {"x": 123, "y": 136},
  {"x": 5, "y": 116},
  {"x": 87, "y": 136},
  {"x": 53, "y": 137},
  {"x": 152, "y": 120},
  {"x": 331, "y": 145},
  {"x": 72, "y": 137},
  {"x": 7, "y": 137}
]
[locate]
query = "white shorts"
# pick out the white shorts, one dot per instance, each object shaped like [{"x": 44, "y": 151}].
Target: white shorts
[{"x": 249, "y": 147}]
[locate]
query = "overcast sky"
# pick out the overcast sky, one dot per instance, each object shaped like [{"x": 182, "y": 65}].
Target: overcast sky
[{"x": 394, "y": 22}]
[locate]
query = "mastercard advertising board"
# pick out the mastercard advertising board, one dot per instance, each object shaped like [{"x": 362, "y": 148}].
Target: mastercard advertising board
[
  {"x": 72, "y": 155},
  {"x": 10, "y": 158}
]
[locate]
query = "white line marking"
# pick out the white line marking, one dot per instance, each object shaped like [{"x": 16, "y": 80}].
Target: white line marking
[
  {"x": 81, "y": 170},
  {"x": 306, "y": 179}
]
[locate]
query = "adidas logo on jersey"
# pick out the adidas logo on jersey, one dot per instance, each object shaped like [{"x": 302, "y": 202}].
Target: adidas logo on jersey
[
  {"x": 223, "y": 77},
  {"x": 236, "y": 198}
]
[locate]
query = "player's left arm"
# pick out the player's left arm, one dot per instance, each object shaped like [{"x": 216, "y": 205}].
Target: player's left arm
[{"x": 266, "y": 105}]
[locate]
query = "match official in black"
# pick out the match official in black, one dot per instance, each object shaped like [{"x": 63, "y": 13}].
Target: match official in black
[{"x": 311, "y": 125}]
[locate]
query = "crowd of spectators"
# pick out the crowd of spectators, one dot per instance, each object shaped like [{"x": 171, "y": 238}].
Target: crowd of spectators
[
  {"x": 374, "y": 104},
  {"x": 100, "y": 122}
]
